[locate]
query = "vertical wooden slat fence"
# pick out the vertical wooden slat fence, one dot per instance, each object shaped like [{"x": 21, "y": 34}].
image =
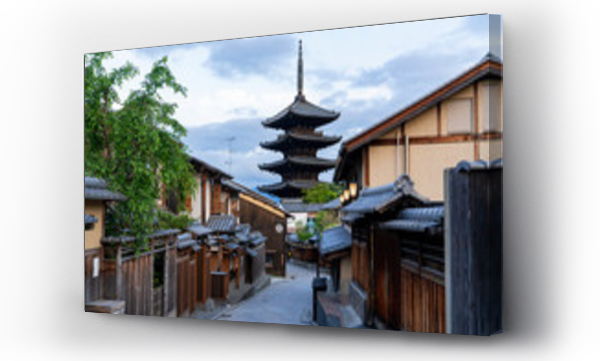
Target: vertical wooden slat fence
[
  {"x": 131, "y": 277},
  {"x": 92, "y": 282},
  {"x": 474, "y": 247}
]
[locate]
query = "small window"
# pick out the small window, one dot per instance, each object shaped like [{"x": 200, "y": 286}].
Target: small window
[{"x": 460, "y": 116}]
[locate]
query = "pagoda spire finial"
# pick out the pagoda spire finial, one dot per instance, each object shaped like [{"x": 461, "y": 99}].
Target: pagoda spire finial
[{"x": 300, "y": 72}]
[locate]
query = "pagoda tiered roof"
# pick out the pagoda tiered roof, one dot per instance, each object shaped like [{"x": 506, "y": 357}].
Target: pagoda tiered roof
[
  {"x": 299, "y": 143},
  {"x": 297, "y": 163},
  {"x": 288, "y": 189},
  {"x": 293, "y": 140},
  {"x": 301, "y": 113}
]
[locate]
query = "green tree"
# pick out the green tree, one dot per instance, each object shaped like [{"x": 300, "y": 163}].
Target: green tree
[
  {"x": 322, "y": 193},
  {"x": 136, "y": 144}
]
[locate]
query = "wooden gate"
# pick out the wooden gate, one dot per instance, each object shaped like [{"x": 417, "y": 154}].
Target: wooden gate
[
  {"x": 409, "y": 281},
  {"x": 423, "y": 302},
  {"x": 137, "y": 285},
  {"x": 203, "y": 267}
]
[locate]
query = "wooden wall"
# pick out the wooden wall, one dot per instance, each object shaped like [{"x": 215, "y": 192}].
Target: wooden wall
[
  {"x": 404, "y": 283},
  {"x": 265, "y": 221},
  {"x": 474, "y": 247}
]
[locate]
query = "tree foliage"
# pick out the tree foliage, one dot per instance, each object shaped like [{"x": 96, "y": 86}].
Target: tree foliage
[
  {"x": 135, "y": 144},
  {"x": 322, "y": 193}
]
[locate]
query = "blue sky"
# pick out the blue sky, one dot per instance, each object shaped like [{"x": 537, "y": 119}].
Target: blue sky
[{"x": 365, "y": 73}]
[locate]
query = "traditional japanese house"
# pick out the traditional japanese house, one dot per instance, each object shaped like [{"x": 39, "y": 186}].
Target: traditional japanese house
[
  {"x": 299, "y": 143},
  {"x": 267, "y": 217},
  {"x": 332, "y": 304},
  {"x": 461, "y": 120},
  {"x": 210, "y": 197},
  {"x": 248, "y": 268},
  {"x": 334, "y": 250},
  {"x": 223, "y": 252},
  {"x": 97, "y": 198},
  {"x": 301, "y": 212},
  {"x": 388, "y": 266}
]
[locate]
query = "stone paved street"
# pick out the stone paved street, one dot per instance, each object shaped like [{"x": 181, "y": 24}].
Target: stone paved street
[{"x": 285, "y": 301}]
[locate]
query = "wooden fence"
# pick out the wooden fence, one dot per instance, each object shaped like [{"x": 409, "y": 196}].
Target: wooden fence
[
  {"x": 92, "y": 281},
  {"x": 474, "y": 248},
  {"x": 409, "y": 292},
  {"x": 146, "y": 281}
]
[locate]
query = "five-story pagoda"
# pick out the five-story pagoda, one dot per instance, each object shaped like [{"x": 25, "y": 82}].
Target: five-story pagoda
[{"x": 300, "y": 167}]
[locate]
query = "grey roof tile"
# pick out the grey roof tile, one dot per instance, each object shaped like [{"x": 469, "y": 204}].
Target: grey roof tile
[
  {"x": 466, "y": 166},
  {"x": 301, "y": 109},
  {"x": 97, "y": 189},
  {"x": 334, "y": 240},
  {"x": 222, "y": 223},
  {"x": 298, "y": 206},
  {"x": 199, "y": 230},
  {"x": 380, "y": 199},
  {"x": 417, "y": 220},
  {"x": 332, "y": 205}
]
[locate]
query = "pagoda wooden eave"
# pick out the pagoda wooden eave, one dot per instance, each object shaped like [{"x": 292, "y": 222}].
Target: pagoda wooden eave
[
  {"x": 288, "y": 189},
  {"x": 301, "y": 113},
  {"x": 295, "y": 141},
  {"x": 292, "y": 163}
]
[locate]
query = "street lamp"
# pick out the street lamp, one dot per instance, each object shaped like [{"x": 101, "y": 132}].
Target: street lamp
[
  {"x": 347, "y": 195},
  {"x": 353, "y": 190}
]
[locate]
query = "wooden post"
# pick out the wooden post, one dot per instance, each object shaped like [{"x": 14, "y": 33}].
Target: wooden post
[
  {"x": 474, "y": 237},
  {"x": 166, "y": 283},
  {"x": 118, "y": 274}
]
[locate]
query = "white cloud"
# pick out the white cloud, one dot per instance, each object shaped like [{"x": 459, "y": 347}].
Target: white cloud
[{"x": 333, "y": 61}]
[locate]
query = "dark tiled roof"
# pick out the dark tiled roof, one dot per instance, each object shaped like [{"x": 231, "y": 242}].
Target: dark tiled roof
[
  {"x": 97, "y": 189},
  {"x": 418, "y": 220},
  {"x": 164, "y": 233},
  {"x": 199, "y": 163},
  {"x": 242, "y": 233},
  {"x": 90, "y": 219},
  {"x": 199, "y": 230},
  {"x": 128, "y": 239},
  {"x": 334, "y": 240},
  {"x": 465, "y": 166},
  {"x": 232, "y": 185},
  {"x": 298, "y": 206},
  {"x": 380, "y": 199},
  {"x": 257, "y": 196},
  {"x": 296, "y": 162},
  {"x": 332, "y": 205},
  {"x": 118, "y": 240},
  {"x": 232, "y": 246},
  {"x": 288, "y": 189},
  {"x": 293, "y": 140},
  {"x": 257, "y": 238},
  {"x": 185, "y": 241},
  {"x": 222, "y": 223},
  {"x": 303, "y": 112}
]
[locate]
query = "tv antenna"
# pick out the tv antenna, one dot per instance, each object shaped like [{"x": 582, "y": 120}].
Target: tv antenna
[{"x": 229, "y": 161}]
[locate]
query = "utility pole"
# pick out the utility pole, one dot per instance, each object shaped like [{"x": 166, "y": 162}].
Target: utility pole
[{"x": 229, "y": 161}]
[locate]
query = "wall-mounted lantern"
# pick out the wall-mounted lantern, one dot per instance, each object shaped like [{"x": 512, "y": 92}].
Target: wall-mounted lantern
[{"x": 353, "y": 190}]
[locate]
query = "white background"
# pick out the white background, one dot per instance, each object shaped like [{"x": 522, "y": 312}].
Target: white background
[{"x": 551, "y": 213}]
